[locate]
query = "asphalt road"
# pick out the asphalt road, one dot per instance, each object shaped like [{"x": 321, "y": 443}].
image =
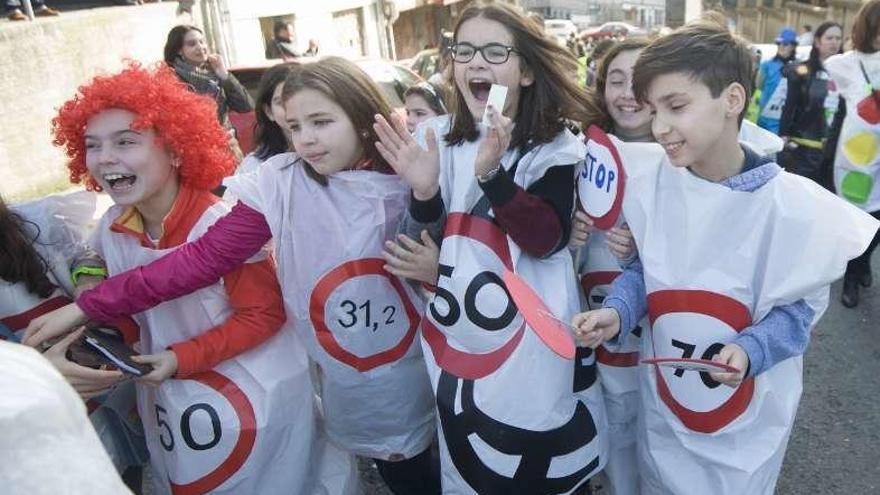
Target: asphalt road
[{"x": 833, "y": 448}]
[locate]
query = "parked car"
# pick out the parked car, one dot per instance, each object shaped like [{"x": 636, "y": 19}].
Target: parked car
[
  {"x": 612, "y": 29},
  {"x": 391, "y": 78},
  {"x": 559, "y": 29},
  {"x": 425, "y": 62}
]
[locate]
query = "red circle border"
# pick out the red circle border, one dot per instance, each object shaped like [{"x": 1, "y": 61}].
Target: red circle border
[
  {"x": 725, "y": 309},
  {"x": 243, "y": 446},
  {"x": 606, "y": 221},
  {"x": 603, "y": 355},
  {"x": 325, "y": 337}
]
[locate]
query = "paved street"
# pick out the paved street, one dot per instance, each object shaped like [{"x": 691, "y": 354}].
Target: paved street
[{"x": 834, "y": 445}]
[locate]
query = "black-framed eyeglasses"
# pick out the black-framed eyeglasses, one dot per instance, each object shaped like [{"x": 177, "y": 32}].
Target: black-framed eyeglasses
[{"x": 494, "y": 53}]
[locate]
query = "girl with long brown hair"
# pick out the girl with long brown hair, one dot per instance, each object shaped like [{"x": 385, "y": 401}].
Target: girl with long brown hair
[{"x": 501, "y": 197}]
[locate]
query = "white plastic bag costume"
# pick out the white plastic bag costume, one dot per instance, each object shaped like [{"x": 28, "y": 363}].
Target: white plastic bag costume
[
  {"x": 48, "y": 445},
  {"x": 59, "y": 224},
  {"x": 762, "y": 141},
  {"x": 246, "y": 426},
  {"x": 514, "y": 416},
  {"x": 600, "y": 186},
  {"x": 736, "y": 255},
  {"x": 359, "y": 322},
  {"x": 857, "y": 161}
]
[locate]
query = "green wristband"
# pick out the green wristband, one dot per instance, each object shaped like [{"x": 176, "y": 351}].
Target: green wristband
[{"x": 87, "y": 270}]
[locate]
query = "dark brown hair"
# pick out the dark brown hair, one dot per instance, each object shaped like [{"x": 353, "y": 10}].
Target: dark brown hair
[
  {"x": 813, "y": 63},
  {"x": 544, "y": 105},
  {"x": 175, "y": 41},
  {"x": 19, "y": 261},
  {"x": 434, "y": 96},
  {"x": 269, "y": 137},
  {"x": 598, "y": 94},
  {"x": 704, "y": 50},
  {"x": 352, "y": 89},
  {"x": 866, "y": 26}
]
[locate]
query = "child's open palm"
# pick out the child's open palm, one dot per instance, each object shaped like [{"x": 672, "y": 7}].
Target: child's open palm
[{"x": 418, "y": 166}]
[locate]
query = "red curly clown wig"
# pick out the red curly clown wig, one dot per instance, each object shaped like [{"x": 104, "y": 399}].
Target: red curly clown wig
[{"x": 185, "y": 123}]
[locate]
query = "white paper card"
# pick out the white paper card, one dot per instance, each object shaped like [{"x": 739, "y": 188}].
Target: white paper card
[{"x": 497, "y": 95}]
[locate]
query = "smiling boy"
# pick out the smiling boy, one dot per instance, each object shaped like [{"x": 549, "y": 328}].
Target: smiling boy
[{"x": 736, "y": 259}]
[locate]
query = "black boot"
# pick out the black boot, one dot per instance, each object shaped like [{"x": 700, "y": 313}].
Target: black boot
[
  {"x": 850, "y": 296},
  {"x": 866, "y": 279}
]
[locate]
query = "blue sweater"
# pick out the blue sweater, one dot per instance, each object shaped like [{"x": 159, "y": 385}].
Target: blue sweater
[{"x": 783, "y": 333}]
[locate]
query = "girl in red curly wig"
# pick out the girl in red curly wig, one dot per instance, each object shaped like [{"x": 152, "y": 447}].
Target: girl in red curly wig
[
  {"x": 154, "y": 98},
  {"x": 221, "y": 366}
]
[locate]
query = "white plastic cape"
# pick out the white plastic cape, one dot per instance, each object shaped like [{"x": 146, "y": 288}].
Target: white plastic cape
[
  {"x": 762, "y": 141},
  {"x": 617, "y": 366},
  {"x": 47, "y": 444},
  {"x": 716, "y": 261},
  {"x": 59, "y": 223},
  {"x": 358, "y": 321},
  {"x": 247, "y": 426},
  {"x": 514, "y": 416},
  {"x": 857, "y": 161}
]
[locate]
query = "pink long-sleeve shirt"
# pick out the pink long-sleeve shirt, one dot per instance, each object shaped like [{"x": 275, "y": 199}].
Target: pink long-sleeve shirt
[{"x": 227, "y": 244}]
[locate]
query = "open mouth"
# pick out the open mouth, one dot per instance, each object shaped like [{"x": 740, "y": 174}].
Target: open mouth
[
  {"x": 480, "y": 89},
  {"x": 120, "y": 182},
  {"x": 629, "y": 108}
]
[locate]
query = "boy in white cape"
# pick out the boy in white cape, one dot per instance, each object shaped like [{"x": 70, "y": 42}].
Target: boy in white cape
[{"x": 736, "y": 257}]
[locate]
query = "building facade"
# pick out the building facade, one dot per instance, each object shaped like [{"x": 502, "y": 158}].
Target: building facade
[
  {"x": 240, "y": 29},
  {"x": 647, "y": 14},
  {"x": 761, "y": 20}
]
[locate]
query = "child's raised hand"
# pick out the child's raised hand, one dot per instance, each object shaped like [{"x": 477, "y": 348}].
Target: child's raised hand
[
  {"x": 620, "y": 242},
  {"x": 732, "y": 355},
  {"x": 419, "y": 167},
  {"x": 164, "y": 366},
  {"x": 595, "y": 327},
  {"x": 581, "y": 228},
  {"x": 412, "y": 260},
  {"x": 87, "y": 382},
  {"x": 494, "y": 143},
  {"x": 53, "y": 324}
]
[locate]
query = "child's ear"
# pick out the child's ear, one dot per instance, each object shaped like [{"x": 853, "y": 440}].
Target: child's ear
[
  {"x": 734, "y": 100},
  {"x": 527, "y": 78}
]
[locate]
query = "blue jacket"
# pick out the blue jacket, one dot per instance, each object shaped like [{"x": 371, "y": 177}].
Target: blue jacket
[{"x": 772, "y": 95}]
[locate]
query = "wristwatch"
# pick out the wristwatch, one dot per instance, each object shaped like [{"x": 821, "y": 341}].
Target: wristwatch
[{"x": 490, "y": 174}]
